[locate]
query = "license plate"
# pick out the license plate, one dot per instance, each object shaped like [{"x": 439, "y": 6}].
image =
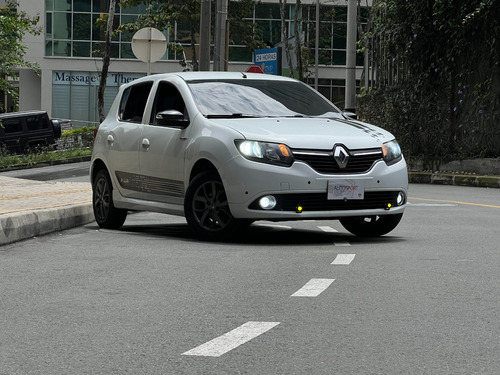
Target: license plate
[{"x": 346, "y": 189}]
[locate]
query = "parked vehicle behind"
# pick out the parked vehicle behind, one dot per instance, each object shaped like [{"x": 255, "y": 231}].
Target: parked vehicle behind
[
  {"x": 27, "y": 131},
  {"x": 226, "y": 149}
]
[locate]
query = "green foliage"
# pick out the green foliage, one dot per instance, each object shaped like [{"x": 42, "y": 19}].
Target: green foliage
[
  {"x": 80, "y": 138},
  {"x": 446, "y": 57},
  {"x": 162, "y": 14},
  {"x": 46, "y": 156},
  {"x": 13, "y": 27},
  {"x": 242, "y": 31}
]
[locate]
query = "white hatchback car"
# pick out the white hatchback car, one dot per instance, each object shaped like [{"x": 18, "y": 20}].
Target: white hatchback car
[{"x": 226, "y": 149}]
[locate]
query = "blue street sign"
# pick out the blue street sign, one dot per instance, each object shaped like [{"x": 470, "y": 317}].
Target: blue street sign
[{"x": 269, "y": 60}]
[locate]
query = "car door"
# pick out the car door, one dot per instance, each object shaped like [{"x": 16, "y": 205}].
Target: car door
[
  {"x": 123, "y": 140},
  {"x": 162, "y": 150}
]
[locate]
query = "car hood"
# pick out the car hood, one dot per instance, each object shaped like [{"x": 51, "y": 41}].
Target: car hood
[{"x": 310, "y": 133}]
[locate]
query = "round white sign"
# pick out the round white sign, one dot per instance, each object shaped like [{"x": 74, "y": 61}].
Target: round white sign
[{"x": 149, "y": 44}]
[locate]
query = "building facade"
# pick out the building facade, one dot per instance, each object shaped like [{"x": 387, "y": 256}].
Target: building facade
[{"x": 68, "y": 52}]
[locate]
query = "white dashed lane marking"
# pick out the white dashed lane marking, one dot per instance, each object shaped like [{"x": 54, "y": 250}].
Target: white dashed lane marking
[
  {"x": 328, "y": 229},
  {"x": 250, "y": 330},
  {"x": 313, "y": 288},
  {"x": 274, "y": 226},
  {"x": 343, "y": 243},
  {"x": 231, "y": 340},
  {"x": 343, "y": 258}
]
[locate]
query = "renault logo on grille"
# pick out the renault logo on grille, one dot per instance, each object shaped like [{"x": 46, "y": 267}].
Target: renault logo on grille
[{"x": 341, "y": 156}]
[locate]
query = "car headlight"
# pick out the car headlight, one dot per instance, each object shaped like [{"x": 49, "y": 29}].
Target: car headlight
[
  {"x": 271, "y": 153},
  {"x": 392, "y": 152}
]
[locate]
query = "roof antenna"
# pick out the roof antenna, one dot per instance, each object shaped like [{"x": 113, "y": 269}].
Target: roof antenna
[{"x": 244, "y": 75}]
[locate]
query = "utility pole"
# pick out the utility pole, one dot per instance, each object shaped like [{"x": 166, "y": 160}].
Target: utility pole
[
  {"x": 205, "y": 17},
  {"x": 350, "y": 81},
  {"x": 220, "y": 35},
  {"x": 316, "y": 48}
]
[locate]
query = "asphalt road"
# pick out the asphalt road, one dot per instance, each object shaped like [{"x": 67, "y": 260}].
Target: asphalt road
[
  {"x": 288, "y": 298},
  {"x": 72, "y": 172}
]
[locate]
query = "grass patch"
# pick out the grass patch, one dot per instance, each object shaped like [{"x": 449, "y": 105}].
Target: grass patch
[{"x": 10, "y": 161}]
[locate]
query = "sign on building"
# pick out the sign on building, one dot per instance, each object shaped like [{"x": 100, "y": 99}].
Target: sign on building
[{"x": 269, "y": 60}]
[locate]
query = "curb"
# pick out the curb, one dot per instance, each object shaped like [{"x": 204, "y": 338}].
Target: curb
[
  {"x": 454, "y": 179},
  {"x": 19, "y": 226}
]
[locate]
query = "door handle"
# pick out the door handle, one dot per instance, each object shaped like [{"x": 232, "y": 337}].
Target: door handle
[{"x": 145, "y": 143}]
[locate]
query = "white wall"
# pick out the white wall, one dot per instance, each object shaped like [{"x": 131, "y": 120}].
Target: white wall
[{"x": 30, "y": 87}]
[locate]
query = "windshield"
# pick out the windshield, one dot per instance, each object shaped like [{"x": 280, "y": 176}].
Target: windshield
[{"x": 259, "y": 98}]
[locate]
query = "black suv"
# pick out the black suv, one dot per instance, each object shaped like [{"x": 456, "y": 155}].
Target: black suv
[{"x": 27, "y": 131}]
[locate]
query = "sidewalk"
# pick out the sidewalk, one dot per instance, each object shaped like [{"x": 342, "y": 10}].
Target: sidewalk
[{"x": 33, "y": 208}]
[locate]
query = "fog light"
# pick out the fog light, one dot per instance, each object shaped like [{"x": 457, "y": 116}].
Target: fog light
[
  {"x": 267, "y": 203},
  {"x": 401, "y": 199}
]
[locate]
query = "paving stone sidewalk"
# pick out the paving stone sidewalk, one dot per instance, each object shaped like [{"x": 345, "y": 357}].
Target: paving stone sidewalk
[{"x": 32, "y": 208}]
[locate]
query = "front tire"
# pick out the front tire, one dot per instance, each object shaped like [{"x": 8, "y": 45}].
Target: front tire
[
  {"x": 372, "y": 226},
  {"x": 105, "y": 213},
  {"x": 206, "y": 207}
]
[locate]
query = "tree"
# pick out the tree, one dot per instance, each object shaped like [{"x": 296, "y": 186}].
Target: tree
[
  {"x": 438, "y": 63},
  {"x": 162, "y": 14},
  {"x": 14, "y": 25}
]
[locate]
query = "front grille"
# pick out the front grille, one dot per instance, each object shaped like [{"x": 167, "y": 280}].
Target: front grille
[
  {"x": 324, "y": 162},
  {"x": 319, "y": 202}
]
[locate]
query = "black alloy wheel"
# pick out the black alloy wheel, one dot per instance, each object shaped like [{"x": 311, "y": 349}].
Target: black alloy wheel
[
  {"x": 105, "y": 212},
  {"x": 206, "y": 207}
]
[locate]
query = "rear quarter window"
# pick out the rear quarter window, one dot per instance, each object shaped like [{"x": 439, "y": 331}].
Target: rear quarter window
[{"x": 37, "y": 122}]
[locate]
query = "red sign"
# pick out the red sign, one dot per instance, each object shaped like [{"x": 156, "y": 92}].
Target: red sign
[{"x": 254, "y": 69}]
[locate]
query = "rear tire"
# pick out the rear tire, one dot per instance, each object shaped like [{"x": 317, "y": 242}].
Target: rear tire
[
  {"x": 372, "y": 226},
  {"x": 105, "y": 213},
  {"x": 207, "y": 210}
]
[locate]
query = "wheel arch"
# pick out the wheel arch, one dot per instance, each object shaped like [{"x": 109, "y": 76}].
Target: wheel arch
[
  {"x": 202, "y": 165},
  {"x": 97, "y": 165}
]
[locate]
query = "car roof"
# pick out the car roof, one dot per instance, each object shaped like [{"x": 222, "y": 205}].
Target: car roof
[
  {"x": 22, "y": 113},
  {"x": 204, "y": 76}
]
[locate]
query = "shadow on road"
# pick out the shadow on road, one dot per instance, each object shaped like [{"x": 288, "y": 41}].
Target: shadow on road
[{"x": 256, "y": 234}]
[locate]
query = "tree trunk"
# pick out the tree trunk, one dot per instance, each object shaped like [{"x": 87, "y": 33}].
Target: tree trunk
[
  {"x": 193, "y": 47},
  {"x": 106, "y": 58},
  {"x": 284, "y": 36},
  {"x": 298, "y": 42}
]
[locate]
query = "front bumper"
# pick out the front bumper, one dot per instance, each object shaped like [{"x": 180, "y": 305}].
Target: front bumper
[{"x": 301, "y": 192}]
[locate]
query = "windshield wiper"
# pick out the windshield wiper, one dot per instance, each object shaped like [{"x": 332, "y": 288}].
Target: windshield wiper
[{"x": 232, "y": 115}]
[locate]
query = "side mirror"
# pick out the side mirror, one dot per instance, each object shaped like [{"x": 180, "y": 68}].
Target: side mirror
[{"x": 171, "y": 118}]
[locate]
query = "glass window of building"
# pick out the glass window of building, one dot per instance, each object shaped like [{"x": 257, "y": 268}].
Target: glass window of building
[{"x": 71, "y": 30}]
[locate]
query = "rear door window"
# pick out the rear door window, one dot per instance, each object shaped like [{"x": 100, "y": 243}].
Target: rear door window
[
  {"x": 133, "y": 102},
  {"x": 12, "y": 125}
]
